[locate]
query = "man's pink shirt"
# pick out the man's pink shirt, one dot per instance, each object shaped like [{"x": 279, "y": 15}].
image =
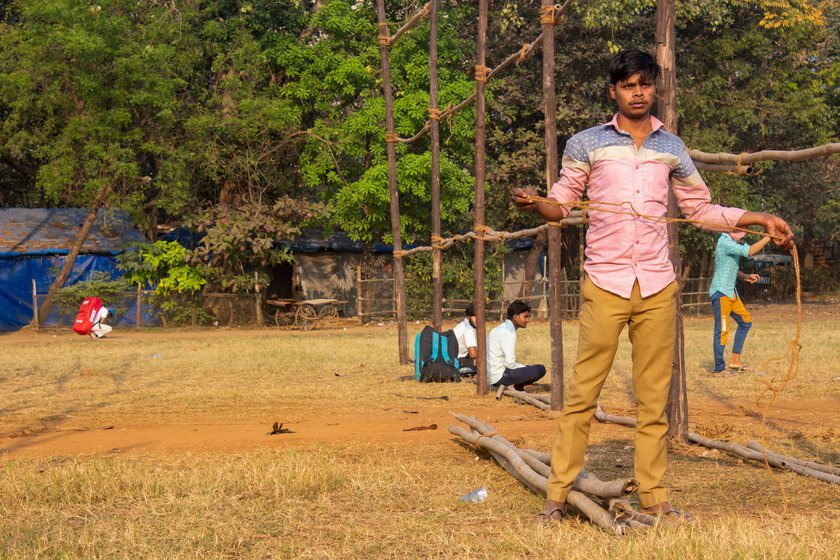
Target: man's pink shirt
[{"x": 622, "y": 249}]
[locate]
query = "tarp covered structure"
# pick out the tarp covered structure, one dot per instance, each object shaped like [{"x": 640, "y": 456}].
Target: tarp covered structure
[{"x": 33, "y": 245}]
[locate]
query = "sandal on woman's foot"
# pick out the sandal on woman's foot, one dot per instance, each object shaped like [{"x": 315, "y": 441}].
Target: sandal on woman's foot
[
  {"x": 668, "y": 513},
  {"x": 551, "y": 514}
]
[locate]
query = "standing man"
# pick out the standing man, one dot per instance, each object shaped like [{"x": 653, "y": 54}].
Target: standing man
[
  {"x": 725, "y": 300},
  {"x": 502, "y": 368},
  {"x": 467, "y": 342},
  {"x": 629, "y": 278}
]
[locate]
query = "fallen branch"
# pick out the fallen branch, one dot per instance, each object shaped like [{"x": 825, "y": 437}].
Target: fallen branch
[
  {"x": 794, "y": 461},
  {"x": 772, "y": 459},
  {"x": 527, "y": 467},
  {"x": 527, "y": 398}
]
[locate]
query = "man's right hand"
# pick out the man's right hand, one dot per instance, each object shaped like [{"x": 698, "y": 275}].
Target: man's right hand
[{"x": 522, "y": 198}]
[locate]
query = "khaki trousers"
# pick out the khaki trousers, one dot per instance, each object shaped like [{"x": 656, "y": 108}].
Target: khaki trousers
[{"x": 651, "y": 323}]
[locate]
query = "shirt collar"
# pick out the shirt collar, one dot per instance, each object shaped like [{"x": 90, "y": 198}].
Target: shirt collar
[{"x": 655, "y": 124}]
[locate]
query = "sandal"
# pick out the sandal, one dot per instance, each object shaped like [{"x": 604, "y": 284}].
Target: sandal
[
  {"x": 552, "y": 514},
  {"x": 668, "y": 513}
]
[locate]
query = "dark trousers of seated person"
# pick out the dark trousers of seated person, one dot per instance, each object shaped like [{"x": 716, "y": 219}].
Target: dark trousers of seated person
[
  {"x": 467, "y": 365},
  {"x": 519, "y": 377}
]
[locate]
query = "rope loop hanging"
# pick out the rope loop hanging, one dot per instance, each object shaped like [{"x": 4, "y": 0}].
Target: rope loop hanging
[{"x": 523, "y": 52}]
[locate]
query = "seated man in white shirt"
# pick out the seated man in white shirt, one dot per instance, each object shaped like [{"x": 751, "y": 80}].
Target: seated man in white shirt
[
  {"x": 467, "y": 342},
  {"x": 502, "y": 367},
  {"x": 99, "y": 328}
]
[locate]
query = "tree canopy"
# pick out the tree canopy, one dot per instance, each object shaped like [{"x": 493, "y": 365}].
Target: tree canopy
[{"x": 256, "y": 118}]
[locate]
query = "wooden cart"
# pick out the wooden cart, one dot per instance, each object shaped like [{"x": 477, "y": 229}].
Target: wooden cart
[{"x": 303, "y": 314}]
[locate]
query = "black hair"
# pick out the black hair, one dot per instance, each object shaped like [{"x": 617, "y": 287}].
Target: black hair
[
  {"x": 633, "y": 61},
  {"x": 469, "y": 311},
  {"x": 516, "y": 307}
]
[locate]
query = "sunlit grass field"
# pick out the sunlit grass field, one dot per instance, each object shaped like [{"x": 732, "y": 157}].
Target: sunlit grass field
[{"x": 366, "y": 496}]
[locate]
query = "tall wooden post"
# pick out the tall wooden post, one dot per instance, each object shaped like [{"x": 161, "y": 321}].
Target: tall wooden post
[
  {"x": 478, "y": 263},
  {"x": 434, "y": 132},
  {"x": 667, "y": 110},
  {"x": 391, "y": 139},
  {"x": 555, "y": 308}
]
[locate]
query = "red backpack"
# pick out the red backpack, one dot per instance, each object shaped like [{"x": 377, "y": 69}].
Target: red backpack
[{"x": 88, "y": 310}]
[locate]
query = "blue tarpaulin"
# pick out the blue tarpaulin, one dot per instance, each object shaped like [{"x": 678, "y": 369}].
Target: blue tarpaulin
[{"x": 33, "y": 245}]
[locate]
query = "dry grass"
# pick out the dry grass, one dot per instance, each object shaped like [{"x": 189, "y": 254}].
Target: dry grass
[{"x": 370, "y": 498}]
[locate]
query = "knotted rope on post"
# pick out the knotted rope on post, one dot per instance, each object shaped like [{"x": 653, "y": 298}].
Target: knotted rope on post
[
  {"x": 391, "y": 137},
  {"x": 437, "y": 242},
  {"x": 548, "y": 14},
  {"x": 481, "y": 73},
  {"x": 398, "y": 253},
  {"x": 434, "y": 113},
  {"x": 480, "y": 230},
  {"x": 384, "y": 38}
]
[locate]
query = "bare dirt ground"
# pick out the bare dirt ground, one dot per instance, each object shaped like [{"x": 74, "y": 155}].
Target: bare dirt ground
[{"x": 411, "y": 420}]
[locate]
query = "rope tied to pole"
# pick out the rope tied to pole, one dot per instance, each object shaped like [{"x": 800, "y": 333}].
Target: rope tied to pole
[
  {"x": 481, "y": 73},
  {"x": 398, "y": 253},
  {"x": 391, "y": 137},
  {"x": 548, "y": 14},
  {"x": 555, "y": 224},
  {"x": 434, "y": 113},
  {"x": 523, "y": 53},
  {"x": 384, "y": 37},
  {"x": 437, "y": 242},
  {"x": 427, "y": 7},
  {"x": 480, "y": 230},
  {"x": 626, "y": 208}
]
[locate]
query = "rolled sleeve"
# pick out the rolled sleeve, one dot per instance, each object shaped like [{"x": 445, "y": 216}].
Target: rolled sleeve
[{"x": 694, "y": 199}]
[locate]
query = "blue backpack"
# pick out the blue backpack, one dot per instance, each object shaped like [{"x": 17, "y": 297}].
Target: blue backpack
[{"x": 436, "y": 356}]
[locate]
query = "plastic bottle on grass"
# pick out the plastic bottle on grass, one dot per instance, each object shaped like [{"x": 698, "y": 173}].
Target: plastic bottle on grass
[{"x": 476, "y": 496}]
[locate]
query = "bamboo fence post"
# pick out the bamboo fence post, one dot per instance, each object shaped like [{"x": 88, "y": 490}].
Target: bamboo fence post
[
  {"x": 359, "y": 295},
  {"x": 35, "y": 321},
  {"x": 677, "y": 407},
  {"x": 478, "y": 261},
  {"x": 555, "y": 311},
  {"x": 390, "y": 140},
  {"x": 258, "y": 302},
  {"x": 138, "y": 319}
]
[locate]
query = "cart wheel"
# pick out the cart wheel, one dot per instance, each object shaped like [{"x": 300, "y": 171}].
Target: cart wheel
[
  {"x": 306, "y": 317},
  {"x": 329, "y": 311},
  {"x": 282, "y": 318}
]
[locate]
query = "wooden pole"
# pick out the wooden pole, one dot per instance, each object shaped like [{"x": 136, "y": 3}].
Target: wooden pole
[
  {"x": 258, "y": 302},
  {"x": 555, "y": 310},
  {"x": 478, "y": 262},
  {"x": 35, "y": 322},
  {"x": 390, "y": 139},
  {"x": 677, "y": 409},
  {"x": 138, "y": 317},
  {"x": 359, "y": 297},
  {"x": 437, "y": 253}
]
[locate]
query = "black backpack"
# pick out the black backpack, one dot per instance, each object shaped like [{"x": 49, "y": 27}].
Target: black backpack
[{"x": 436, "y": 356}]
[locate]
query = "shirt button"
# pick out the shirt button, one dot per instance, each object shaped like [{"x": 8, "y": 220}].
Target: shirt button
[
  {"x": 637, "y": 191},
  {"x": 637, "y": 242}
]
